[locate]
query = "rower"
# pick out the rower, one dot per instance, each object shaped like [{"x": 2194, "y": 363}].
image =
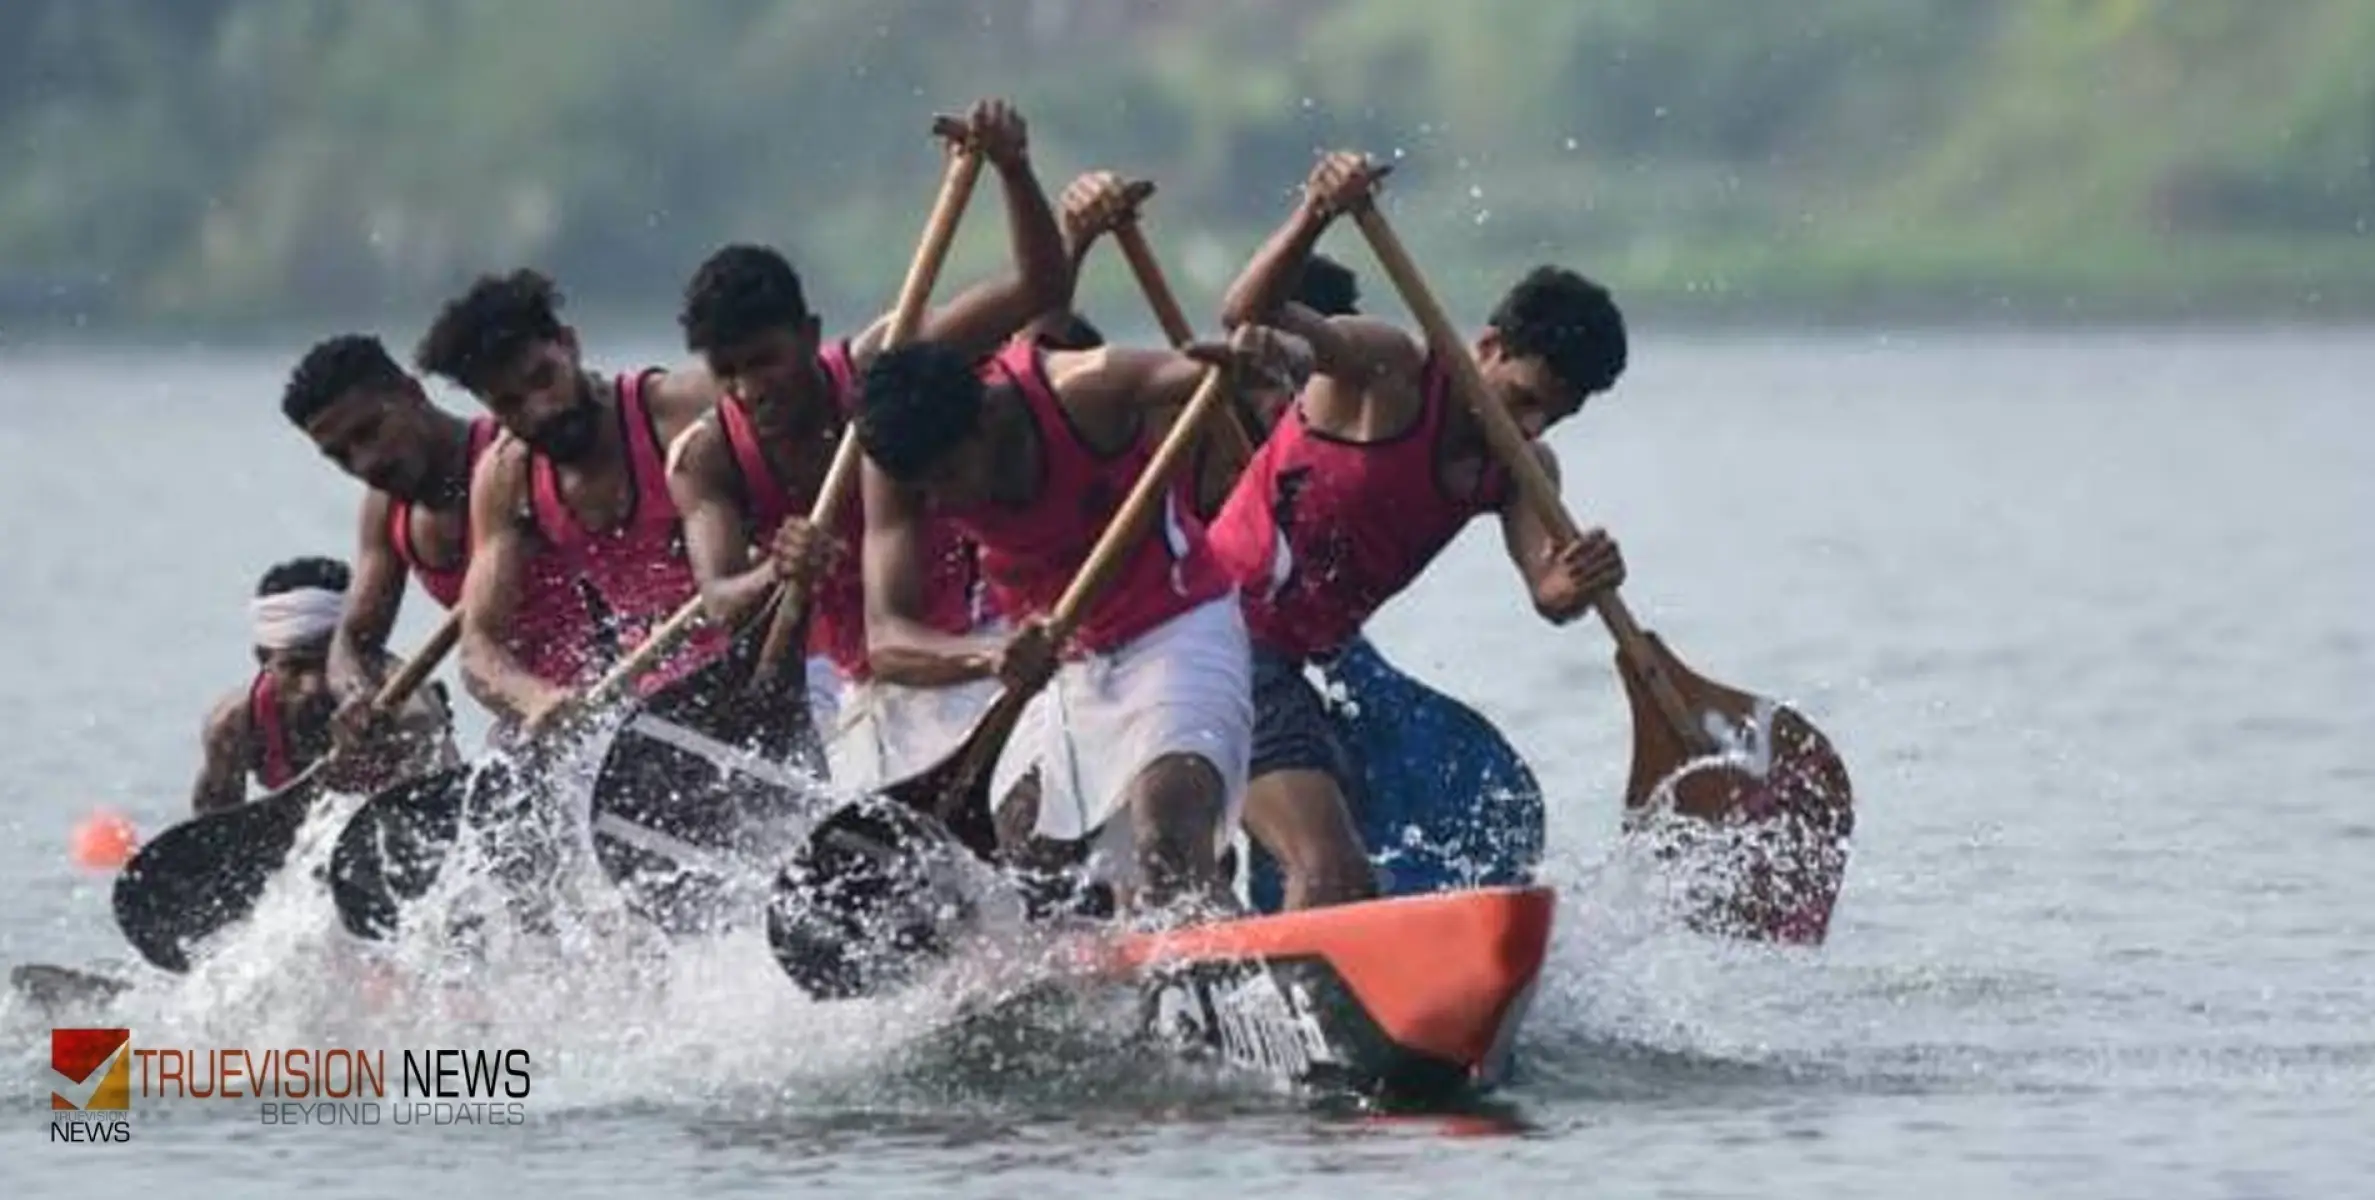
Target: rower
[
  {"x": 746, "y": 476},
  {"x": 571, "y": 524},
  {"x": 374, "y": 420},
  {"x": 1362, "y": 484},
  {"x": 1147, "y": 712},
  {"x": 279, "y": 723}
]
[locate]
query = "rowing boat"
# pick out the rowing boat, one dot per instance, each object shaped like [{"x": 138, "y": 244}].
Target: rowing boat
[
  {"x": 1402, "y": 999},
  {"x": 1409, "y": 999}
]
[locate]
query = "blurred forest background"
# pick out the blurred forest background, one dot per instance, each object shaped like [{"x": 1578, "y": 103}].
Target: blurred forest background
[{"x": 227, "y": 164}]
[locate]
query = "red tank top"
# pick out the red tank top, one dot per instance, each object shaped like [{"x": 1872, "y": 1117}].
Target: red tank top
[
  {"x": 635, "y": 571},
  {"x": 1029, "y": 555},
  {"x": 263, "y": 717},
  {"x": 444, "y": 584},
  {"x": 1321, "y": 532},
  {"x": 837, "y": 610}
]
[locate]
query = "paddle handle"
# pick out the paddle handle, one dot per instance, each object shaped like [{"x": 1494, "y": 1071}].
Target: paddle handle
[
  {"x": 1229, "y": 436},
  {"x": 622, "y": 675},
  {"x": 408, "y": 678},
  {"x": 956, "y": 190},
  {"x": 1509, "y": 442}
]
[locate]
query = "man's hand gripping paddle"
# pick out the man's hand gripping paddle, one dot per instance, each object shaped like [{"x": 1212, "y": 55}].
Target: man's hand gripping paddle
[
  {"x": 870, "y": 891},
  {"x": 207, "y": 873},
  {"x": 1747, "y": 765}
]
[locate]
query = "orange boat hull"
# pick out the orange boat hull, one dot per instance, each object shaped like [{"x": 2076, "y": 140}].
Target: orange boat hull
[{"x": 1410, "y": 997}]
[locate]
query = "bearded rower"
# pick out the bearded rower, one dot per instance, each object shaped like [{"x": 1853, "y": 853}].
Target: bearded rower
[
  {"x": 746, "y": 477},
  {"x": 374, "y": 420},
  {"x": 571, "y": 524},
  {"x": 1362, "y": 484},
  {"x": 279, "y": 723}
]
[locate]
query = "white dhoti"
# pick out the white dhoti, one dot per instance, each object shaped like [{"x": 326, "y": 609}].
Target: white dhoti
[
  {"x": 824, "y": 695},
  {"x": 886, "y": 732},
  {"x": 1184, "y": 687}
]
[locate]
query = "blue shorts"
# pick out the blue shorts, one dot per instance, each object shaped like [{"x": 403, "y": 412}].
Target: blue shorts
[{"x": 1292, "y": 728}]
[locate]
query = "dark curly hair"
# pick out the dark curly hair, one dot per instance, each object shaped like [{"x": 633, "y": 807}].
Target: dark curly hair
[
  {"x": 489, "y": 326},
  {"x": 1066, "y": 330},
  {"x": 1327, "y": 287},
  {"x": 334, "y": 367},
  {"x": 1569, "y": 322},
  {"x": 921, "y": 401},
  {"x": 739, "y": 292},
  {"x": 328, "y": 574}
]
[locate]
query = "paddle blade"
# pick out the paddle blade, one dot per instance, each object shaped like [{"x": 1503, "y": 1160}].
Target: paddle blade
[
  {"x": 871, "y": 896},
  {"x": 1776, "y": 790},
  {"x": 391, "y": 849},
  {"x": 204, "y": 875},
  {"x": 955, "y": 792},
  {"x": 701, "y": 794},
  {"x": 64, "y": 987}
]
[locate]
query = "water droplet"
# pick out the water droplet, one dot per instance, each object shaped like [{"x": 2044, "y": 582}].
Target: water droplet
[{"x": 1570, "y": 143}]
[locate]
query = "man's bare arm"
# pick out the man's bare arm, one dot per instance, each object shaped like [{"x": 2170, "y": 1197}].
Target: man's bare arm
[
  {"x": 679, "y": 398},
  {"x": 1532, "y": 547},
  {"x": 1268, "y": 281},
  {"x": 222, "y": 771},
  {"x": 716, "y": 527},
  {"x": 492, "y": 588},
  {"x": 902, "y": 647},
  {"x": 983, "y": 317},
  {"x": 372, "y": 604}
]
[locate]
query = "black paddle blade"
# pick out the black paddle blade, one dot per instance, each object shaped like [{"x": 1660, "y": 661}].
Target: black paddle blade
[
  {"x": 64, "y": 987},
  {"x": 702, "y": 792},
  {"x": 870, "y": 897},
  {"x": 391, "y": 849},
  {"x": 204, "y": 875}
]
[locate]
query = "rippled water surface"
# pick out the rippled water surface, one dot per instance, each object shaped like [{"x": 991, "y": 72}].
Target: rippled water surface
[{"x": 2092, "y": 619}]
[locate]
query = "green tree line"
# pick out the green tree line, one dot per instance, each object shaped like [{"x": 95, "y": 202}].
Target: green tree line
[{"x": 218, "y": 161}]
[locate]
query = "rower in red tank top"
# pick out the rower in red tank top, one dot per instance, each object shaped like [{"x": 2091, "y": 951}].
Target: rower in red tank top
[
  {"x": 837, "y": 605},
  {"x": 1029, "y": 554},
  {"x": 635, "y": 567},
  {"x": 1373, "y": 473},
  {"x": 571, "y": 523},
  {"x": 1321, "y": 531},
  {"x": 277, "y": 725},
  {"x": 442, "y": 582},
  {"x": 746, "y": 479},
  {"x": 1145, "y": 714}
]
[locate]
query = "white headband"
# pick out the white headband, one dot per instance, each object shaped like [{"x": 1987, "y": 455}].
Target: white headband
[{"x": 293, "y": 618}]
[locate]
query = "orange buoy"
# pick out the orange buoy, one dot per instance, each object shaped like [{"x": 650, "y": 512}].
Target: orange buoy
[{"x": 103, "y": 841}]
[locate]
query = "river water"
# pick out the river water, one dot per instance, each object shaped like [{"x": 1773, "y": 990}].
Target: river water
[{"x": 2091, "y": 617}]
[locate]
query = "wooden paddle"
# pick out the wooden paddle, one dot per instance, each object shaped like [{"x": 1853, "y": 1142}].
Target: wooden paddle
[
  {"x": 1231, "y": 437},
  {"x": 956, "y": 189},
  {"x": 860, "y": 900},
  {"x": 1723, "y": 756},
  {"x": 207, "y": 872}
]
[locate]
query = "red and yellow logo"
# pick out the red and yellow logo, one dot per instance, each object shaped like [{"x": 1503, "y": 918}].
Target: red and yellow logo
[{"x": 97, "y": 1063}]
